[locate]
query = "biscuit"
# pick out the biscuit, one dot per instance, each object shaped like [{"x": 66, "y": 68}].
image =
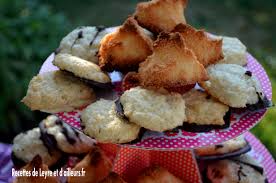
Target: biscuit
[
  {"x": 125, "y": 48},
  {"x": 229, "y": 149},
  {"x": 84, "y": 42},
  {"x": 29, "y": 144},
  {"x": 234, "y": 51},
  {"x": 113, "y": 178},
  {"x": 81, "y": 68},
  {"x": 96, "y": 166},
  {"x": 160, "y": 15},
  {"x": 101, "y": 122},
  {"x": 233, "y": 171},
  {"x": 172, "y": 64},
  {"x": 68, "y": 139},
  {"x": 202, "y": 109},
  {"x": 157, "y": 174},
  {"x": 233, "y": 85},
  {"x": 207, "y": 49},
  {"x": 38, "y": 165},
  {"x": 57, "y": 91},
  {"x": 153, "y": 110}
]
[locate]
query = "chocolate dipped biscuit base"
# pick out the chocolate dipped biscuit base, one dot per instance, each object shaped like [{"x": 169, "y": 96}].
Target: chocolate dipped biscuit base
[
  {"x": 120, "y": 109},
  {"x": 120, "y": 114},
  {"x": 48, "y": 140},
  {"x": 69, "y": 139},
  {"x": 17, "y": 162},
  {"x": 262, "y": 103},
  {"x": 92, "y": 83},
  {"x": 193, "y": 127},
  {"x": 259, "y": 169},
  {"x": 228, "y": 155},
  {"x": 50, "y": 143}
]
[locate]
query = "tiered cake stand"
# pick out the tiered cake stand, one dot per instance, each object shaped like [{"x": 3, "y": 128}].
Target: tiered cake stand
[{"x": 174, "y": 150}]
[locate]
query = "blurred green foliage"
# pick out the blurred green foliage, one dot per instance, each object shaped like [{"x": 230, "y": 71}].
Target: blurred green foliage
[{"x": 30, "y": 30}]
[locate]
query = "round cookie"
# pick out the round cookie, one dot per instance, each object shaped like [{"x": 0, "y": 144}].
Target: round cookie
[
  {"x": 153, "y": 110},
  {"x": 57, "y": 91},
  {"x": 233, "y": 85},
  {"x": 202, "y": 109},
  {"x": 101, "y": 122},
  {"x": 234, "y": 51},
  {"x": 233, "y": 171},
  {"x": 84, "y": 42},
  {"x": 29, "y": 144},
  {"x": 81, "y": 68},
  {"x": 68, "y": 139}
]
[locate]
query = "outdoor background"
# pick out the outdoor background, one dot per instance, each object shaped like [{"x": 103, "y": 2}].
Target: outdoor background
[{"x": 31, "y": 29}]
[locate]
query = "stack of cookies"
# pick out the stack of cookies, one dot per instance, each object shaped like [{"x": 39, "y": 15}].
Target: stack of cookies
[
  {"x": 175, "y": 76},
  {"x": 229, "y": 162}
]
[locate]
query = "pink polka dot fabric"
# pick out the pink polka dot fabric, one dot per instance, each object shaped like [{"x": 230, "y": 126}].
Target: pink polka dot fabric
[{"x": 241, "y": 120}]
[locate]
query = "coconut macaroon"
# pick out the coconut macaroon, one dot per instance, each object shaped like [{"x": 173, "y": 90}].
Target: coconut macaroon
[
  {"x": 207, "y": 49},
  {"x": 96, "y": 165},
  {"x": 234, "y": 171},
  {"x": 101, "y": 122},
  {"x": 82, "y": 68},
  {"x": 231, "y": 148},
  {"x": 130, "y": 80},
  {"x": 157, "y": 174},
  {"x": 233, "y": 85},
  {"x": 234, "y": 51},
  {"x": 84, "y": 42},
  {"x": 172, "y": 64},
  {"x": 152, "y": 110},
  {"x": 125, "y": 48},
  {"x": 160, "y": 15},
  {"x": 57, "y": 91},
  {"x": 113, "y": 178},
  {"x": 29, "y": 144},
  {"x": 68, "y": 139},
  {"x": 36, "y": 164},
  {"x": 202, "y": 109}
]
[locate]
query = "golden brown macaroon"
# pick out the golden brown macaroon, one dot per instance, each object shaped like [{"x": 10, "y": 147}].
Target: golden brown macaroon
[
  {"x": 207, "y": 49},
  {"x": 130, "y": 80},
  {"x": 96, "y": 166},
  {"x": 113, "y": 178},
  {"x": 125, "y": 48},
  {"x": 160, "y": 15},
  {"x": 37, "y": 164},
  {"x": 157, "y": 174},
  {"x": 171, "y": 64}
]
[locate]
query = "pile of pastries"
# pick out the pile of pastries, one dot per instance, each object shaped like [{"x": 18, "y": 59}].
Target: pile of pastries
[
  {"x": 229, "y": 162},
  {"x": 175, "y": 76},
  {"x": 48, "y": 147}
]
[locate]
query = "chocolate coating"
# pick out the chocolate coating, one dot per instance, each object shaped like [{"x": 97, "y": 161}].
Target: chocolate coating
[
  {"x": 243, "y": 150},
  {"x": 193, "y": 127},
  {"x": 93, "y": 83}
]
